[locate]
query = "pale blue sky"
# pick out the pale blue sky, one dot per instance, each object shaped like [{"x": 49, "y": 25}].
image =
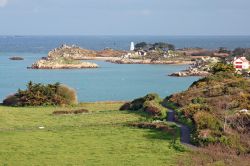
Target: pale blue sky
[{"x": 124, "y": 17}]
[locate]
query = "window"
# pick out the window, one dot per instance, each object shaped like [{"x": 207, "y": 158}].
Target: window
[{"x": 238, "y": 66}]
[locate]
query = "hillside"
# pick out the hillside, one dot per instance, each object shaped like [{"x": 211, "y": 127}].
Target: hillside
[{"x": 216, "y": 108}]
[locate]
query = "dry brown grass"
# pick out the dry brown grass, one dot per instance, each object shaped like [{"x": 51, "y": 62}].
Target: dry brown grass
[
  {"x": 215, "y": 155},
  {"x": 70, "y": 112}
]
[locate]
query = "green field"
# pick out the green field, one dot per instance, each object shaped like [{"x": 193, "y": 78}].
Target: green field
[{"x": 101, "y": 137}]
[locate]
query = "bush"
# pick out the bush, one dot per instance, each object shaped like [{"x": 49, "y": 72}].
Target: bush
[
  {"x": 221, "y": 67},
  {"x": 68, "y": 94},
  {"x": 125, "y": 106},
  {"x": 189, "y": 110},
  {"x": 11, "y": 100},
  {"x": 42, "y": 95},
  {"x": 204, "y": 120},
  {"x": 150, "y": 104},
  {"x": 198, "y": 100},
  {"x": 137, "y": 104},
  {"x": 154, "y": 109}
]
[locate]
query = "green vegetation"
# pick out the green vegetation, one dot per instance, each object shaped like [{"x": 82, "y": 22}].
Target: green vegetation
[
  {"x": 64, "y": 60},
  {"x": 221, "y": 67},
  {"x": 155, "y": 46},
  {"x": 149, "y": 104},
  {"x": 102, "y": 136},
  {"x": 241, "y": 52},
  {"x": 212, "y": 107},
  {"x": 42, "y": 95}
]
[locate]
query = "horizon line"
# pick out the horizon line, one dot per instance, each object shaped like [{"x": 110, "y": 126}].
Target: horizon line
[{"x": 188, "y": 35}]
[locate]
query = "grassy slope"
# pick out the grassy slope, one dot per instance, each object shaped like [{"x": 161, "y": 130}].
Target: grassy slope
[{"x": 98, "y": 138}]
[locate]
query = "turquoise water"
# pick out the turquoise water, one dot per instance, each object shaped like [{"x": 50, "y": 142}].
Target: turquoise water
[{"x": 110, "y": 82}]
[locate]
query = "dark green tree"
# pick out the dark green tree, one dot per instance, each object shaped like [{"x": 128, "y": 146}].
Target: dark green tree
[{"x": 221, "y": 67}]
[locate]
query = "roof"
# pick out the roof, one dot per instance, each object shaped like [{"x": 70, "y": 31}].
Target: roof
[{"x": 243, "y": 59}]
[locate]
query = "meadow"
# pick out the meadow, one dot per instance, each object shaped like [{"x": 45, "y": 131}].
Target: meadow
[{"x": 34, "y": 136}]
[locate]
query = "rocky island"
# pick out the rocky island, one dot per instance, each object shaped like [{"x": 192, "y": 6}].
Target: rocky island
[
  {"x": 62, "y": 63},
  {"x": 157, "y": 53},
  {"x": 65, "y": 57},
  {"x": 69, "y": 57},
  {"x": 16, "y": 58}
]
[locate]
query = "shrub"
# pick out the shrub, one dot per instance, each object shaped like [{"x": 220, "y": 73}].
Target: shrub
[
  {"x": 137, "y": 104},
  {"x": 221, "y": 67},
  {"x": 150, "y": 104},
  {"x": 125, "y": 106},
  {"x": 240, "y": 122},
  {"x": 11, "y": 100},
  {"x": 68, "y": 94},
  {"x": 168, "y": 104},
  {"x": 198, "y": 100},
  {"x": 152, "y": 96},
  {"x": 204, "y": 120},
  {"x": 189, "y": 110},
  {"x": 41, "y": 95},
  {"x": 154, "y": 109}
]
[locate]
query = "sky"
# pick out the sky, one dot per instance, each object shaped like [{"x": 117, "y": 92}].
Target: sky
[{"x": 124, "y": 17}]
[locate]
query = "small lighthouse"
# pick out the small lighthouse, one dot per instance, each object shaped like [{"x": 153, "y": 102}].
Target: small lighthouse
[{"x": 132, "y": 46}]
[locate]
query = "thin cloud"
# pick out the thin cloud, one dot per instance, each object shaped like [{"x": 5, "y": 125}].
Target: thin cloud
[{"x": 3, "y": 3}]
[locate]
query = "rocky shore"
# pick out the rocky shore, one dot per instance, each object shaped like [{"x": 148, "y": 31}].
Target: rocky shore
[
  {"x": 145, "y": 61},
  {"x": 187, "y": 73},
  {"x": 202, "y": 67},
  {"x": 56, "y": 64},
  {"x": 69, "y": 57}
]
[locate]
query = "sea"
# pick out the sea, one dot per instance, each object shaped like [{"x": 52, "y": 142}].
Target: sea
[{"x": 110, "y": 82}]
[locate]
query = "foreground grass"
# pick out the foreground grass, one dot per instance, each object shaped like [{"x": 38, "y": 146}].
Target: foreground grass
[{"x": 101, "y": 137}]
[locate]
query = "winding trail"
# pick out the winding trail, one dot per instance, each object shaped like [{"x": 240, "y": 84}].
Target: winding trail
[{"x": 185, "y": 130}]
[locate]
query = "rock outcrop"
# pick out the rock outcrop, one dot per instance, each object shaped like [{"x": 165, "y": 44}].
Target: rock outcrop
[
  {"x": 145, "y": 61},
  {"x": 187, "y": 73},
  {"x": 62, "y": 63},
  {"x": 66, "y": 57},
  {"x": 72, "y": 52},
  {"x": 202, "y": 67},
  {"x": 16, "y": 58},
  {"x": 79, "y": 53}
]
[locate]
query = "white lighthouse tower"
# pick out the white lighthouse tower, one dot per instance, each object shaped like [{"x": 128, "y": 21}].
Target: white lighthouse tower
[{"x": 132, "y": 46}]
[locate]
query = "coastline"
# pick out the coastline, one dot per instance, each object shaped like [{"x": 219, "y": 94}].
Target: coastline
[{"x": 147, "y": 61}]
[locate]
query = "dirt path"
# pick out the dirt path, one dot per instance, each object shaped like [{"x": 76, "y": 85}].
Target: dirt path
[
  {"x": 171, "y": 114},
  {"x": 185, "y": 134},
  {"x": 185, "y": 130}
]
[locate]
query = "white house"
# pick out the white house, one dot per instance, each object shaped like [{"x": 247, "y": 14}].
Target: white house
[{"x": 241, "y": 63}]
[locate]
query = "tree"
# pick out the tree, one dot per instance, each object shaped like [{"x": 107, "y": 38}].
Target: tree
[
  {"x": 224, "y": 50},
  {"x": 164, "y": 46},
  {"x": 141, "y": 45},
  {"x": 239, "y": 51},
  {"x": 221, "y": 67}
]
